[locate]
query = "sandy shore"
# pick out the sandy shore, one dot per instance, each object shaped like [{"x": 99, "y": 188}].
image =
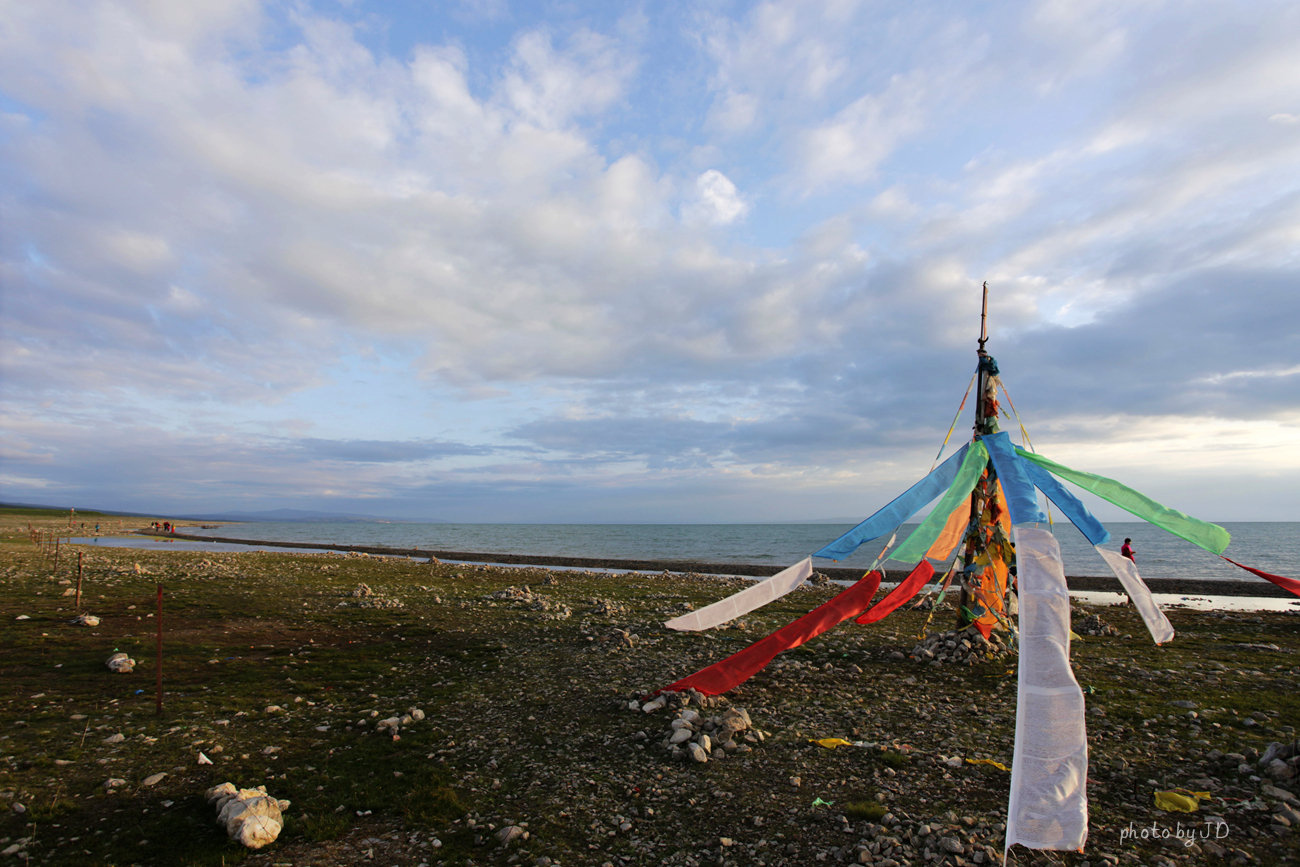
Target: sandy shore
[{"x": 276, "y": 671}]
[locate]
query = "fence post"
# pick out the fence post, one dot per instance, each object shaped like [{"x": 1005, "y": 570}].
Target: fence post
[{"x": 159, "y": 655}]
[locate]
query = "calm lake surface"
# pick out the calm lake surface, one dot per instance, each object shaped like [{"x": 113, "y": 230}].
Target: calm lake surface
[{"x": 1270, "y": 546}]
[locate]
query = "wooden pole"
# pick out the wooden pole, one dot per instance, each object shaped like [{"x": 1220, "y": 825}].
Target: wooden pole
[
  {"x": 978, "y": 495},
  {"x": 79, "y": 553},
  {"x": 57, "y": 540},
  {"x": 159, "y": 653}
]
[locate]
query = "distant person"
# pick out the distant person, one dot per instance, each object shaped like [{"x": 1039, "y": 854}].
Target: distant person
[
  {"x": 96, "y": 529},
  {"x": 1126, "y": 550}
]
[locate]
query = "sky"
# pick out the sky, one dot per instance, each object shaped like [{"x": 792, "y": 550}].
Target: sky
[{"x": 662, "y": 262}]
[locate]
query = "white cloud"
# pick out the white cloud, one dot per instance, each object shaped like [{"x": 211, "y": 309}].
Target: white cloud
[
  {"x": 216, "y": 212},
  {"x": 716, "y": 201}
]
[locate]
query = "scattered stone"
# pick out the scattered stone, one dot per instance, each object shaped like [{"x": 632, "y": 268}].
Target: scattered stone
[
  {"x": 120, "y": 663},
  {"x": 509, "y": 834},
  {"x": 153, "y": 779},
  {"x": 1094, "y": 625},
  {"x": 84, "y": 620}
]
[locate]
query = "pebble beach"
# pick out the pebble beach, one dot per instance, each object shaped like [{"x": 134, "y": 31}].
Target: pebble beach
[{"x": 404, "y": 711}]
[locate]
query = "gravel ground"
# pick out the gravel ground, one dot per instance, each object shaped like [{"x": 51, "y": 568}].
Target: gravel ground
[{"x": 281, "y": 669}]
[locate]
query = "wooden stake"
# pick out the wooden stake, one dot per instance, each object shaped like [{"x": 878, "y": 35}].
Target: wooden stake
[
  {"x": 159, "y": 655},
  {"x": 57, "y": 540},
  {"x": 79, "y": 582}
]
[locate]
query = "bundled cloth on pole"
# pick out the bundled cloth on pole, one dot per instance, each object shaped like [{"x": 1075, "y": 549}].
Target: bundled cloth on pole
[
  {"x": 1126, "y": 571},
  {"x": 751, "y": 598},
  {"x": 1211, "y": 537},
  {"x": 741, "y": 666},
  {"x": 899, "y": 510},
  {"x": 894, "y": 599},
  {"x": 1285, "y": 583},
  {"x": 1017, "y": 487},
  {"x": 1048, "y": 806}
]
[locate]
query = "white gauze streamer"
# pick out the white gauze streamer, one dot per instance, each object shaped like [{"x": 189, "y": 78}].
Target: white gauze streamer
[
  {"x": 1048, "y": 808},
  {"x": 1126, "y": 571},
  {"x": 751, "y": 598}
]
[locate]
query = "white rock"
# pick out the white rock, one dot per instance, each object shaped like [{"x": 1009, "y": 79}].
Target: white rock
[
  {"x": 270, "y": 751},
  {"x": 204, "y": 760},
  {"x": 705, "y": 743},
  {"x": 114, "y": 783},
  {"x": 22, "y": 617},
  {"x": 697, "y": 752},
  {"x": 221, "y": 792},
  {"x": 153, "y": 779},
  {"x": 654, "y": 705},
  {"x": 681, "y": 736},
  {"x": 115, "y": 739},
  {"x": 509, "y": 834},
  {"x": 84, "y": 619},
  {"x": 416, "y": 714},
  {"x": 273, "y": 708},
  {"x": 250, "y": 816},
  {"x": 120, "y": 663}
]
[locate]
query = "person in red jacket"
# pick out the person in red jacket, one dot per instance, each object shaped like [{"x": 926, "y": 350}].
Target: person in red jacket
[{"x": 1127, "y": 550}]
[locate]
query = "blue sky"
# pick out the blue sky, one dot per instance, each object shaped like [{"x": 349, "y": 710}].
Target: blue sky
[{"x": 495, "y": 261}]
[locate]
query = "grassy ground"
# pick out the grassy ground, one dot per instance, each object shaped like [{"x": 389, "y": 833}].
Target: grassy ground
[{"x": 274, "y": 671}]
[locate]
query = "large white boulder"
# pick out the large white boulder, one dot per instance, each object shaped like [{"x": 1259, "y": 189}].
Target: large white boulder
[{"x": 251, "y": 817}]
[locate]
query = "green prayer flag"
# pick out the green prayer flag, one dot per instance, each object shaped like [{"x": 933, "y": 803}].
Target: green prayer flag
[
  {"x": 916, "y": 545},
  {"x": 1209, "y": 536}
]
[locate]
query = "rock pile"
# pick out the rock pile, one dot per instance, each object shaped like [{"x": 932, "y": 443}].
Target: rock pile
[
  {"x": 1281, "y": 762},
  {"x": 393, "y": 724},
  {"x": 694, "y": 736},
  {"x": 1094, "y": 625},
  {"x": 608, "y": 607},
  {"x": 964, "y": 647},
  {"x": 367, "y": 598},
  {"x": 120, "y": 663},
  {"x": 526, "y": 598},
  {"x": 250, "y": 816}
]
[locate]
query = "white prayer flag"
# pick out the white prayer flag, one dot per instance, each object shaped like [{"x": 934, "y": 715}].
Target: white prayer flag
[
  {"x": 751, "y": 598},
  {"x": 1048, "y": 807},
  {"x": 1126, "y": 571}
]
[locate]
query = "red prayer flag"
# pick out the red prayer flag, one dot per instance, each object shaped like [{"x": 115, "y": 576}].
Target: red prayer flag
[
  {"x": 906, "y": 589},
  {"x": 1285, "y": 583},
  {"x": 741, "y": 666}
]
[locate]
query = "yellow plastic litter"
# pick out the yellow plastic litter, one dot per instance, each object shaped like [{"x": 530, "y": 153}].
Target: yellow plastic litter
[
  {"x": 1180, "y": 800},
  {"x": 831, "y": 743},
  {"x": 1074, "y": 636},
  {"x": 998, "y": 765}
]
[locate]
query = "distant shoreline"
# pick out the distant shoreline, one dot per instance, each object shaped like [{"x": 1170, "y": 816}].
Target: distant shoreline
[{"x": 1081, "y": 583}]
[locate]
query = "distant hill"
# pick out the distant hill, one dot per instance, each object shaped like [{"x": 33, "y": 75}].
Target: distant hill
[{"x": 286, "y": 515}]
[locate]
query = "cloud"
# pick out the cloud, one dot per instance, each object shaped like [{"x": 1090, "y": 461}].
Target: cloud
[
  {"x": 566, "y": 253},
  {"x": 717, "y": 203},
  {"x": 381, "y": 451}
]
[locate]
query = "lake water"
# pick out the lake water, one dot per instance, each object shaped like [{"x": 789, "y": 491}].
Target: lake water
[{"x": 1270, "y": 546}]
